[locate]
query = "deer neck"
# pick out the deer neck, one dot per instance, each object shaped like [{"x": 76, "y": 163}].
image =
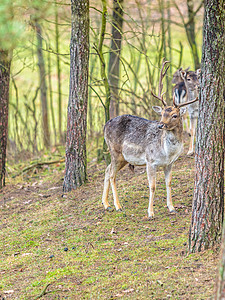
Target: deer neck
[
  {"x": 174, "y": 136},
  {"x": 193, "y": 94}
]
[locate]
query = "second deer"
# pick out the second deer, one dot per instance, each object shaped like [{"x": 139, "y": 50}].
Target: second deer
[
  {"x": 139, "y": 142},
  {"x": 186, "y": 89}
]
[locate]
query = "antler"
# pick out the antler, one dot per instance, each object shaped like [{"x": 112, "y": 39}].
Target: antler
[
  {"x": 186, "y": 103},
  {"x": 162, "y": 75}
]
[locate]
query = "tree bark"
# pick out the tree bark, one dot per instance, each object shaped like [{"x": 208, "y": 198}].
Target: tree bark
[
  {"x": 114, "y": 56},
  {"x": 208, "y": 199},
  {"x": 5, "y": 63},
  {"x": 76, "y": 162},
  {"x": 43, "y": 86}
]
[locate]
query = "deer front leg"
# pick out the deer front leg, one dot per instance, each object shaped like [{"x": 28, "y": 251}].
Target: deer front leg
[
  {"x": 168, "y": 179},
  {"x": 193, "y": 123},
  {"x": 151, "y": 173},
  {"x": 106, "y": 188}
]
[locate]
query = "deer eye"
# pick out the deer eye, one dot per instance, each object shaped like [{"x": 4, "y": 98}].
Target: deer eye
[
  {"x": 174, "y": 116},
  {"x": 188, "y": 79}
]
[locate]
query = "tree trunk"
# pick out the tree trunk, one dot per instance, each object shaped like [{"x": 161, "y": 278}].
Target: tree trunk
[
  {"x": 43, "y": 86},
  {"x": 58, "y": 74},
  {"x": 50, "y": 95},
  {"x": 99, "y": 51},
  {"x": 190, "y": 30},
  {"x": 114, "y": 56},
  {"x": 5, "y": 63},
  {"x": 76, "y": 162},
  {"x": 208, "y": 199}
]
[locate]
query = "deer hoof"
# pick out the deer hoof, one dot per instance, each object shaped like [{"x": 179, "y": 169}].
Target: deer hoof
[
  {"x": 151, "y": 218},
  {"x": 109, "y": 208},
  {"x": 190, "y": 153},
  {"x": 173, "y": 211},
  {"x": 119, "y": 209}
]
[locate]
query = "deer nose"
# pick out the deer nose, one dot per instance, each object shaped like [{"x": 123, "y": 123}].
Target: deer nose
[{"x": 160, "y": 126}]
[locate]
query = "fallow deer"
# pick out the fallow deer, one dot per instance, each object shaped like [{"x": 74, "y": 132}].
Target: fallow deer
[
  {"x": 138, "y": 141},
  {"x": 191, "y": 81},
  {"x": 186, "y": 89},
  {"x": 179, "y": 92}
]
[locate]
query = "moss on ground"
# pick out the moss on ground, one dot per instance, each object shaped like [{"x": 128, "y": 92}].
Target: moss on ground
[{"x": 83, "y": 252}]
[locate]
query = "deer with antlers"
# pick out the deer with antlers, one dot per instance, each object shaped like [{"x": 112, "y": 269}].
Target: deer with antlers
[{"x": 138, "y": 141}]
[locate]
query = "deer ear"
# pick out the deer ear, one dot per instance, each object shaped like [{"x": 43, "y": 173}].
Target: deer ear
[
  {"x": 182, "y": 111},
  {"x": 183, "y": 74},
  {"x": 198, "y": 72},
  {"x": 157, "y": 109}
]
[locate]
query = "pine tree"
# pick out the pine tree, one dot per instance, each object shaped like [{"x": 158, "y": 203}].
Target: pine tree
[
  {"x": 208, "y": 200},
  {"x": 76, "y": 161}
]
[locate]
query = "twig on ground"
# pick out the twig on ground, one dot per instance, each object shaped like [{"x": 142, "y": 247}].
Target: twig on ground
[
  {"x": 45, "y": 293},
  {"x": 39, "y": 164}
]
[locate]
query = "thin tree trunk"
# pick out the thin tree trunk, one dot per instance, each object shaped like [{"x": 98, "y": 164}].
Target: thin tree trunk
[
  {"x": 50, "y": 95},
  {"x": 114, "y": 56},
  {"x": 106, "y": 105},
  {"x": 76, "y": 161},
  {"x": 58, "y": 74},
  {"x": 169, "y": 39},
  {"x": 163, "y": 40},
  {"x": 5, "y": 63},
  {"x": 43, "y": 86},
  {"x": 208, "y": 200},
  {"x": 190, "y": 30}
]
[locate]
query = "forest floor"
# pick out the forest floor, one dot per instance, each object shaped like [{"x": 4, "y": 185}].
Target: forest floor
[{"x": 55, "y": 247}]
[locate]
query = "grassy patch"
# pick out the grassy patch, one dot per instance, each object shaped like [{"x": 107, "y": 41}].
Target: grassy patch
[{"x": 82, "y": 252}]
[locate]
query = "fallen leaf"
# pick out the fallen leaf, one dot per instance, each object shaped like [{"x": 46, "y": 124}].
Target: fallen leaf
[
  {"x": 159, "y": 282},
  {"x": 26, "y": 254},
  {"x": 113, "y": 231},
  {"x": 128, "y": 291},
  {"x": 8, "y": 292}
]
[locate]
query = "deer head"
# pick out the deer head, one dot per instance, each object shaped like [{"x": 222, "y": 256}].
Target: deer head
[
  {"x": 170, "y": 115},
  {"x": 177, "y": 77},
  {"x": 191, "y": 79}
]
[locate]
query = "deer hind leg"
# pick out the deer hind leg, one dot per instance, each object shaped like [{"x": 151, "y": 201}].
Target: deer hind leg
[
  {"x": 110, "y": 177},
  {"x": 168, "y": 179},
  {"x": 151, "y": 173},
  {"x": 106, "y": 188},
  {"x": 193, "y": 123},
  {"x": 114, "y": 169}
]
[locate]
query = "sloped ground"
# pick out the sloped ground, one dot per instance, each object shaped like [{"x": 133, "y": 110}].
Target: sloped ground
[{"x": 55, "y": 247}]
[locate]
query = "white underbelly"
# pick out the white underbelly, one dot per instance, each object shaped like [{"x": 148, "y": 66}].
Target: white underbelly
[
  {"x": 134, "y": 154},
  {"x": 135, "y": 160}
]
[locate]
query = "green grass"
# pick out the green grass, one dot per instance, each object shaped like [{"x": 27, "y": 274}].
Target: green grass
[{"x": 110, "y": 254}]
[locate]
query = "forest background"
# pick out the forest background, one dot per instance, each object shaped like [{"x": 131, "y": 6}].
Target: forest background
[
  {"x": 69, "y": 238},
  {"x": 151, "y": 30}
]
